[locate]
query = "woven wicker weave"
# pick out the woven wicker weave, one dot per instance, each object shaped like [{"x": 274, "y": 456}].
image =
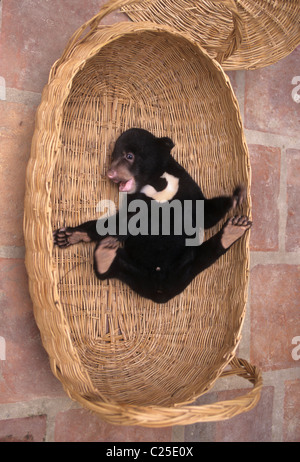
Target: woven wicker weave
[
  {"x": 240, "y": 34},
  {"x": 126, "y": 358}
]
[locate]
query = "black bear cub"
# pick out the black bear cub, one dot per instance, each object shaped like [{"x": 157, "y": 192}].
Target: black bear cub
[{"x": 159, "y": 227}]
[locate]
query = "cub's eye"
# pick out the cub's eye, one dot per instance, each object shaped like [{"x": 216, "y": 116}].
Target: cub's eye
[{"x": 129, "y": 156}]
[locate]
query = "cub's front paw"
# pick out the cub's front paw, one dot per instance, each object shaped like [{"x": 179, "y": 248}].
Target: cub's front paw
[{"x": 64, "y": 237}]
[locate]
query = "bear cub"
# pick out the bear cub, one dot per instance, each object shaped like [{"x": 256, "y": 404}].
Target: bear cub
[{"x": 153, "y": 252}]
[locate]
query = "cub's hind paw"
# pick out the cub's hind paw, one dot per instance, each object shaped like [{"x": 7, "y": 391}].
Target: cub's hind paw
[
  {"x": 234, "y": 230},
  {"x": 105, "y": 254}
]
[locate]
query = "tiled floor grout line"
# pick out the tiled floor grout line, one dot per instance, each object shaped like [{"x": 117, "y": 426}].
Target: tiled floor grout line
[
  {"x": 39, "y": 406},
  {"x": 275, "y": 258},
  {"x": 178, "y": 434},
  {"x": 13, "y": 95},
  {"x": 271, "y": 139},
  {"x": 12, "y": 252}
]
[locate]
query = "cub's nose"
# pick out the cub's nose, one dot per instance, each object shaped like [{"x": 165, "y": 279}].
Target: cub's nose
[{"x": 112, "y": 173}]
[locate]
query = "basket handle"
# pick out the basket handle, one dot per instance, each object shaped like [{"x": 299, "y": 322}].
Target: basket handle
[
  {"x": 224, "y": 410},
  {"x": 234, "y": 39}
]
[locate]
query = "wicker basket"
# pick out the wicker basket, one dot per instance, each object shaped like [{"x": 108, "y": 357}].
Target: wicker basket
[
  {"x": 126, "y": 358},
  {"x": 240, "y": 34}
]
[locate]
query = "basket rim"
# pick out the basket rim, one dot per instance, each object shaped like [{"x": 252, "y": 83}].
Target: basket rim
[{"x": 60, "y": 83}]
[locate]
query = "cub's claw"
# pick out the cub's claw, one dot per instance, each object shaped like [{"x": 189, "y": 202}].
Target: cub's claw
[{"x": 239, "y": 196}]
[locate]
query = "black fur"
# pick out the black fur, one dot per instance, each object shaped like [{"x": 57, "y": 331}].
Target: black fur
[{"x": 156, "y": 267}]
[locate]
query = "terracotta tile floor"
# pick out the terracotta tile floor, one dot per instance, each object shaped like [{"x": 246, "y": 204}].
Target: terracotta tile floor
[{"x": 33, "y": 406}]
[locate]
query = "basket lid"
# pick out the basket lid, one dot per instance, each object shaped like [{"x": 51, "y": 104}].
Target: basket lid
[{"x": 240, "y": 34}]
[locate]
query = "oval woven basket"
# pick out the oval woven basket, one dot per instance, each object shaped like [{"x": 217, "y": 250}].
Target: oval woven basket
[
  {"x": 130, "y": 360},
  {"x": 240, "y": 34}
]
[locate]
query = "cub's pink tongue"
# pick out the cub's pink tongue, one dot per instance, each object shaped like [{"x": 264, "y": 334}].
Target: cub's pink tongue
[{"x": 125, "y": 186}]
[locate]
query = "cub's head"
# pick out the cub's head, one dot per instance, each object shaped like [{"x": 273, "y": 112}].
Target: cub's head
[{"x": 137, "y": 157}]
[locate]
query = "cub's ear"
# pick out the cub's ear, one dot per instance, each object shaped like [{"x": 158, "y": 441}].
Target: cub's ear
[{"x": 167, "y": 142}]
